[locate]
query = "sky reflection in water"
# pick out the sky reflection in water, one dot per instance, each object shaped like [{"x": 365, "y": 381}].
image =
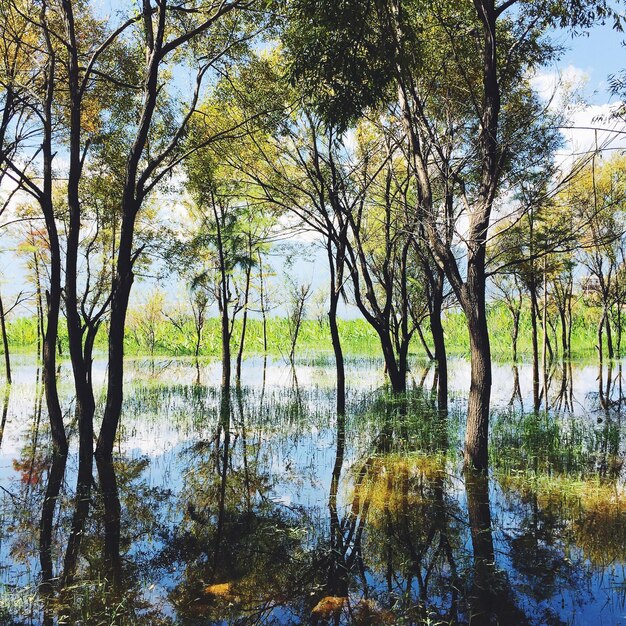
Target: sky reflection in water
[{"x": 263, "y": 508}]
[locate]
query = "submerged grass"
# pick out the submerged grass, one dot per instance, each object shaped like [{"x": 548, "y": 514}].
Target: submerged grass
[
  {"x": 591, "y": 510},
  {"x": 395, "y": 481},
  {"x": 570, "y": 470}
]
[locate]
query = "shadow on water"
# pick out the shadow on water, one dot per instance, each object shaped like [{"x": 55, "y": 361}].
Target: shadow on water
[{"x": 258, "y": 505}]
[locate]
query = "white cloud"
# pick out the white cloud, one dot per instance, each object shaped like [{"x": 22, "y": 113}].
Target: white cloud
[
  {"x": 561, "y": 87},
  {"x": 588, "y": 125},
  {"x": 593, "y": 127}
]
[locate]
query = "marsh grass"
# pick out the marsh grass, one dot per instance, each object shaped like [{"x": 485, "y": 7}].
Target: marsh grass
[
  {"x": 314, "y": 342},
  {"x": 572, "y": 470}
]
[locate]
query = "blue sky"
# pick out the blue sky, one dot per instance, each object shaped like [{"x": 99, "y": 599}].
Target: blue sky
[{"x": 598, "y": 53}]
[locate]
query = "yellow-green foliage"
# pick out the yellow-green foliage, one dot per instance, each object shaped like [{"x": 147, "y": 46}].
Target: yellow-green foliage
[
  {"x": 394, "y": 481},
  {"x": 593, "y": 510}
]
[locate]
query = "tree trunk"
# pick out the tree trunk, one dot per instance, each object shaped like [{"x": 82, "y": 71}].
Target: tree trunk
[
  {"x": 262, "y": 297},
  {"x": 337, "y": 349},
  {"x": 515, "y": 333},
  {"x": 544, "y": 329},
  {"x": 5, "y": 412},
  {"x": 5, "y": 343},
  {"x": 609, "y": 335},
  {"x": 85, "y": 402},
  {"x": 618, "y": 324},
  {"x": 420, "y": 334},
  {"x": 132, "y": 198},
  {"x": 39, "y": 301},
  {"x": 244, "y": 322},
  {"x": 53, "y": 299},
  {"x": 534, "y": 310},
  {"x": 477, "y": 430},
  {"x": 225, "y": 326},
  {"x": 395, "y": 369},
  {"x": 436, "y": 329},
  {"x": 600, "y": 329},
  {"x": 562, "y": 316},
  {"x": 569, "y": 322},
  {"x": 123, "y": 281}
]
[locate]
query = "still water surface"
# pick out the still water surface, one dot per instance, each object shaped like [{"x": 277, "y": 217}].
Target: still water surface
[{"x": 261, "y": 507}]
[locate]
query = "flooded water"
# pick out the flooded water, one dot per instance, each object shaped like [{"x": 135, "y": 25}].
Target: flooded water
[{"x": 261, "y": 507}]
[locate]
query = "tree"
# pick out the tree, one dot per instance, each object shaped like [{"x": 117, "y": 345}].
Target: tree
[
  {"x": 4, "y": 313},
  {"x": 288, "y": 168},
  {"x": 221, "y": 243},
  {"x": 212, "y": 34},
  {"x": 297, "y": 298},
  {"x": 510, "y": 290},
  {"x": 441, "y": 123},
  {"x": 596, "y": 198},
  {"x": 145, "y": 321}
]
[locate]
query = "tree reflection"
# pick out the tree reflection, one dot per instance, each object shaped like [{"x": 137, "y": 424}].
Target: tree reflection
[
  {"x": 491, "y": 599},
  {"x": 368, "y": 519},
  {"x": 238, "y": 550}
]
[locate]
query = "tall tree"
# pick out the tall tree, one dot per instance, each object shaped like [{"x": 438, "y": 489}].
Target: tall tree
[
  {"x": 462, "y": 132},
  {"x": 207, "y": 35}
]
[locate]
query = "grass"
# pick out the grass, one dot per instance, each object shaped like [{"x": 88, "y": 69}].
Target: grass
[
  {"x": 568, "y": 470},
  {"x": 357, "y": 336}
]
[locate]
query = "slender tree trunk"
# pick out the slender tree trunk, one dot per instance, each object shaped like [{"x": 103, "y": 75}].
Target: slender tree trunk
[
  {"x": 244, "y": 322},
  {"x": 544, "y": 327},
  {"x": 223, "y": 300},
  {"x": 5, "y": 412},
  {"x": 439, "y": 342},
  {"x": 53, "y": 296},
  {"x": 563, "y": 319},
  {"x": 600, "y": 329},
  {"x": 515, "y": 333},
  {"x": 85, "y": 402},
  {"x": 225, "y": 333},
  {"x": 132, "y": 198},
  {"x": 262, "y": 297},
  {"x": 337, "y": 349},
  {"x": 570, "y": 322},
  {"x": 122, "y": 285},
  {"x": 5, "y": 342},
  {"x": 39, "y": 303},
  {"x": 49, "y": 360},
  {"x": 196, "y": 350},
  {"x": 420, "y": 334},
  {"x": 609, "y": 335},
  {"x": 618, "y": 324},
  {"x": 534, "y": 310}
]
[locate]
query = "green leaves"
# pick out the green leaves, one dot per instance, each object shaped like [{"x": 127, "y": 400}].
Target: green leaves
[{"x": 340, "y": 55}]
